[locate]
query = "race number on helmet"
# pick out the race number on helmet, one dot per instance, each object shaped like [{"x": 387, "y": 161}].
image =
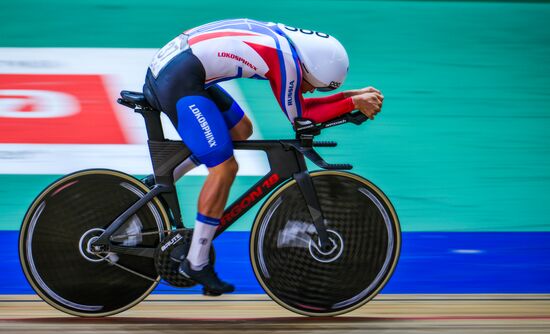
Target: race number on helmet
[{"x": 324, "y": 60}]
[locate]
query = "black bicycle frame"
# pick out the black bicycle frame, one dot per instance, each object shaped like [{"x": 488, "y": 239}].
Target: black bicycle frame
[
  {"x": 285, "y": 157},
  {"x": 284, "y": 162}
]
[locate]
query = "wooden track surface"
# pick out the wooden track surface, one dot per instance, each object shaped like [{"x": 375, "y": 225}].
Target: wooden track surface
[{"x": 257, "y": 314}]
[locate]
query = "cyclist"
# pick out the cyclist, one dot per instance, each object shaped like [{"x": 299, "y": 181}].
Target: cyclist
[{"x": 182, "y": 82}]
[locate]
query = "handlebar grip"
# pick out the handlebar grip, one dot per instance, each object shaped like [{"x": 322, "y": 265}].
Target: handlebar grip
[
  {"x": 357, "y": 117},
  {"x": 325, "y": 143}
]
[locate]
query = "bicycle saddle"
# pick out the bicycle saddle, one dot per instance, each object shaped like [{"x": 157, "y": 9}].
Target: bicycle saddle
[{"x": 133, "y": 99}]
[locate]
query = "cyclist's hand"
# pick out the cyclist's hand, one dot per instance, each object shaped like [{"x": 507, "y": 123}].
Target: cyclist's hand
[{"x": 369, "y": 102}]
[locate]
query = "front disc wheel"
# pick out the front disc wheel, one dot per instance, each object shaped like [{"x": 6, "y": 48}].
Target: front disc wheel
[{"x": 364, "y": 243}]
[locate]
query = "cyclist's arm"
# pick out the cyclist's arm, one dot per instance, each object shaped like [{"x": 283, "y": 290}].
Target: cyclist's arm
[
  {"x": 321, "y": 109},
  {"x": 368, "y": 100},
  {"x": 326, "y": 99},
  {"x": 354, "y": 92},
  {"x": 286, "y": 87}
]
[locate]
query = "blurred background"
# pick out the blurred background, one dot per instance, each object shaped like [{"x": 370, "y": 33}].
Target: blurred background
[{"x": 462, "y": 146}]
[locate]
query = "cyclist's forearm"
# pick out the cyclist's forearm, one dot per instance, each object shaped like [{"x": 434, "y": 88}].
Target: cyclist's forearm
[
  {"x": 354, "y": 92},
  {"x": 325, "y": 99},
  {"x": 350, "y": 93},
  {"x": 321, "y": 112}
]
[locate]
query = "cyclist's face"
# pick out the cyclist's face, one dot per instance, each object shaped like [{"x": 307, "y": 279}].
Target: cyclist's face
[{"x": 307, "y": 87}]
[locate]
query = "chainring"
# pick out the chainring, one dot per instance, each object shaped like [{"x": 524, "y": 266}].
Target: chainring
[{"x": 169, "y": 254}]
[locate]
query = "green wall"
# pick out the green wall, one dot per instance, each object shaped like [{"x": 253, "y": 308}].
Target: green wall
[{"x": 463, "y": 142}]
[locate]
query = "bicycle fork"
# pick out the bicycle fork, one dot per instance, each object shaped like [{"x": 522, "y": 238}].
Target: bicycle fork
[
  {"x": 305, "y": 148},
  {"x": 305, "y": 184}
]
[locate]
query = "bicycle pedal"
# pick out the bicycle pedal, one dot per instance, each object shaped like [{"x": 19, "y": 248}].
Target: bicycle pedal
[{"x": 210, "y": 293}]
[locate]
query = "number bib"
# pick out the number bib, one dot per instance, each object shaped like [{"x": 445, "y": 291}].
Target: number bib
[{"x": 167, "y": 53}]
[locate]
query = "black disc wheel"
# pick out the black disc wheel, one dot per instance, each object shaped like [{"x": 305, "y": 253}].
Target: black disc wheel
[
  {"x": 62, "y": 223},
  {"x": 364, "y": 235}
]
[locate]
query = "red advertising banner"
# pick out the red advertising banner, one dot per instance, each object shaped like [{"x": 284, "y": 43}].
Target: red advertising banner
[{"x": 57, "y": 108}]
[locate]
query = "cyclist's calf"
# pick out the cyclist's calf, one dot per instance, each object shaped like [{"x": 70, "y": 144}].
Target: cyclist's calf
[{"x": 216, "y": 187}]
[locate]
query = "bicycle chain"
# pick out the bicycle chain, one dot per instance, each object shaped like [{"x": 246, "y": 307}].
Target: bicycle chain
[
  {"x": 106, "y": 258},
  {"x": 123, "y": 236}
]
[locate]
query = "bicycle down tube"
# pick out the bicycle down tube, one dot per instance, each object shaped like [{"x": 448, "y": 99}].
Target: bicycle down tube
[{"x": 279, "y": 173}]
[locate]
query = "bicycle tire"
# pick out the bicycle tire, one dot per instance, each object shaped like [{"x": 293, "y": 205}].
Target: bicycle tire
[
  {"x": 55, "y": 236},
  {"x": 363, "y": 228}
]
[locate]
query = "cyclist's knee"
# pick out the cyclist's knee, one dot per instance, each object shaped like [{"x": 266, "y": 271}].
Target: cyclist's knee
[
  {"x": 242, "y": 130},
  {"x": 226, "y": 170},
  {"x": 231, "y": 166},
  {"x": 248, "y": 128}
]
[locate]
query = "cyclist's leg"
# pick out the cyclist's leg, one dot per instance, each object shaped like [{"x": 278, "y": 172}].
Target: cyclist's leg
[{"x": 202, "y": 127}]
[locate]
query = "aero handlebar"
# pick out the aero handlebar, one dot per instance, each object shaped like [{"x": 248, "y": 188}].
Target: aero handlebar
[{"x": 304, "y": 126}]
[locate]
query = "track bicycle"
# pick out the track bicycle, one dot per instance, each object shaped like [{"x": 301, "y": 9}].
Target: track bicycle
[{"x": 96, "y": 242}]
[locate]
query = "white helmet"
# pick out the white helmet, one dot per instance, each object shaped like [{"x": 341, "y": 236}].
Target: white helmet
[{"x": 324, "y": 60}]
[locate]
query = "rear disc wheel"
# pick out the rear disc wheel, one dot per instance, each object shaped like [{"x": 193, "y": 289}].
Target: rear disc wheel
[{"x": 62, "y": 223}]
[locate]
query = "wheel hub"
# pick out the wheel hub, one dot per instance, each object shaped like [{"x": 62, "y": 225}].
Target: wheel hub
[
  {"x": 85, "y": 245},
  {"x": 336, "y": 247}
]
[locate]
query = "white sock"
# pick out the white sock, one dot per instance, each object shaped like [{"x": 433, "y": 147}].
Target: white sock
[
  {"x": 185, "y": 167},
  {"x": 205, "y": 228}
]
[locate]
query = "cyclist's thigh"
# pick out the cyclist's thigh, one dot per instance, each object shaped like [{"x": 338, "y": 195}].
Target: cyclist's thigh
[
  {"x": 203, "y": 129},
  {"x": 231, "y": 111}
]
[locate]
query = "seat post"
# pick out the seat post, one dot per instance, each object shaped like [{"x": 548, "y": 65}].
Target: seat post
[{"x": 152, "y": 124}]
